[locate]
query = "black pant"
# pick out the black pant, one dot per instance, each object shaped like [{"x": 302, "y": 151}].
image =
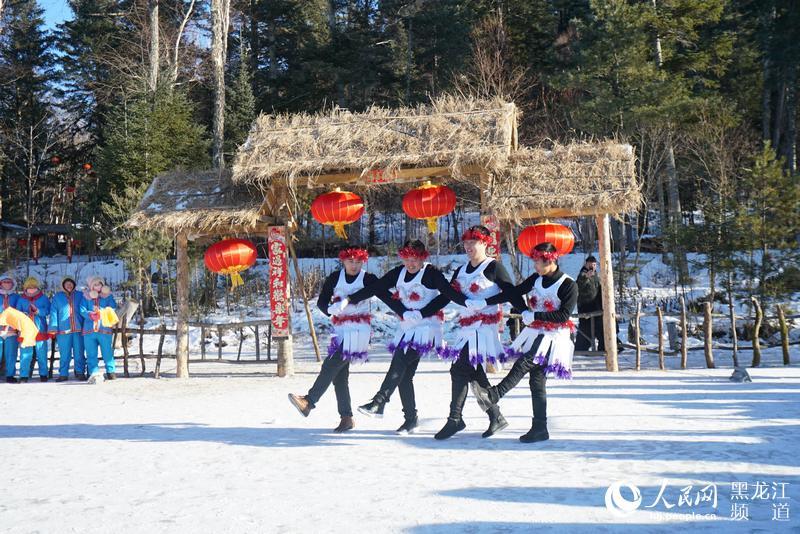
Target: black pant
[
  {"x": 461, "y": 374},
  {"x": 537, "y": 381},
  {"x": 583, "y": 340},
  {"x": 336, "y": 370},
  {"x": 401, "y": 375}
]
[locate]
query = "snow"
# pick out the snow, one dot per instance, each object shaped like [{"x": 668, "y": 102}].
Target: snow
[{"x": 226, "y": 452}]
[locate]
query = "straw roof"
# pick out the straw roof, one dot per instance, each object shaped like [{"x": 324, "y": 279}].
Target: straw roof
[
  {"x": 454, "y": 133},
  {"x": 198, "y": 203},
  {"x": 566, "y": 180}
]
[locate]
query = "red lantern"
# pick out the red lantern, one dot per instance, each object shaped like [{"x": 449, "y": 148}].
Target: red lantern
[
  {"x": 70, "y": 189},
  {"x": 337, "y": 208},
  {"x": 55, "y": 160},
  {"x": 22, "y": 243},
  {"x": 429, "y": 202},
  {"x": 87, "y": 167},
  {"x": 559, "y": 235},
  {"x": 230, "y": 257}
]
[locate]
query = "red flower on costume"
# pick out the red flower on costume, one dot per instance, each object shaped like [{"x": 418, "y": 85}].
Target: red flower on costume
[
  {"x": 455, "y": 285},
  {"x": 549, "y": 305},
  {"x": 336, "y": 299},
  {"x": 533, "y": 301},
  {"x": 414, "y": 296},
  {"x": 474, "y": 287},
  {"x": 395, "y": 295}
]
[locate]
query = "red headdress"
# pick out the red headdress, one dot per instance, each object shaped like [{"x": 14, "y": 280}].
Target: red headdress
[
  {"x": 412, "y": 253},
  {"x": 546, "y": 256},
  {"x": 354, "y": 253},
  {"x": 477, "y": 236}
]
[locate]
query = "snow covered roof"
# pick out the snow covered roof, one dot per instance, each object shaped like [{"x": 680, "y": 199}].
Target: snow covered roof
[{"x": 198, "y": 203}]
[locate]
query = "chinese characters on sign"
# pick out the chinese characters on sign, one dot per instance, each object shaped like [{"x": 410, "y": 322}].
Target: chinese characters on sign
[
  {"x": 279, "y": 303},
  {"x": 491, "y": 222}
]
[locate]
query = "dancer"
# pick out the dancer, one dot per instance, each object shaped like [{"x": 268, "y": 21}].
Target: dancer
[
  {"x": 486, "y": 283},
  {"x": 423, "y": 291},
  {"x": 351, "y": 333},
  {"x": 544, "y": 348}
]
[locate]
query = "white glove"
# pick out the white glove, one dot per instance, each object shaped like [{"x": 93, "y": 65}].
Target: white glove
[
  {"x": 412, "y": 316},
  {"x": 476, "y": 304},
  {"x": 528, "y": 317},
  {"x": 338, "y": 307}
]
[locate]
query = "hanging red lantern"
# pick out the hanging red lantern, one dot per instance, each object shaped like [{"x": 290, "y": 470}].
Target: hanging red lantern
[
  {"x": 429, "y": 202},
  {"x": 559, "y": 235},
  {"x": 70, "y": 189},
  {"x": 230, "y": 257},
  {"x": 22, "y": 243},
  {"x": 87, "y": 167},
  {"x": 337, "y": 208},
  {"x": 55, "y": 160}
]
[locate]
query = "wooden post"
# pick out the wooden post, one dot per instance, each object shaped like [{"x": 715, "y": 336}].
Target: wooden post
[
  {"x": 684, "y": 335},
  {"x": 607, "y": 283},
  {"x": 660, "y": 339},
  {"x": 708, "y": 329},
  {"x": 299, "y": 276},
  {"x": 258, "y": 349},
  {"x": 219, "y": 342},
  {"x": 638, "y": 330},
  {"x": 757, "y": 332},
  {"x": 182, "y": 321},
  {"x": 124, "y": 342},
  {"x": 203, "y": 342},
  {"x": 784, "y": 334},
  {"x": 279, "y": 298},
  {"x": 157, "y": 372},
  {"x": 732, "y": 316}
]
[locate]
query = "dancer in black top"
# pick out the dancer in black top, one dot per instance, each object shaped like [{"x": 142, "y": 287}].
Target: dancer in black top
[{"x": 544, "y": 348}]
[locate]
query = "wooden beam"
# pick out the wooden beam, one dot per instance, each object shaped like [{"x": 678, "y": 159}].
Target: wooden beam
[
  {"x": 607, "y": 287},
  {"x": 379, "y": 176},
  {"x": 560, "y": 213},
  {"x": 182, "y": 321}
]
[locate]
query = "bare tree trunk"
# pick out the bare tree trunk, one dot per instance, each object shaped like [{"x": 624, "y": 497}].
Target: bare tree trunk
[
  {"x": 790, "y": 139},
  {"x": 255, "y": 44},
  {"x": 766, "y": 107},
  {"x": 220, "y": 12},
  {"x": 152, "y": 19},
  {"x": 176, "y": 49}
]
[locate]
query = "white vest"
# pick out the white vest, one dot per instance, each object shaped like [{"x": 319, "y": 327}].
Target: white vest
[
  {"x": 343, "y": 289},
  {"x": 475, "y": 285},
  {"x": 413, "y": 294}
]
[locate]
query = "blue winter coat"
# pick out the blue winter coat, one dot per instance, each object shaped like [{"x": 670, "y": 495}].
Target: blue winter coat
[
  {"x": 42, "y": 304},
  {"x": 65, "y": 313},
  {"x": 89, "y": 305}
]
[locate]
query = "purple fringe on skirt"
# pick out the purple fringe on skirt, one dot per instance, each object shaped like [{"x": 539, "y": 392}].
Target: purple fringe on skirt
[
  {"x": 451, "y": 354},
  {"x": 336, "y": 346},
  {"x": 424, "y": 350},
  {"x": 556, "y": 370}
]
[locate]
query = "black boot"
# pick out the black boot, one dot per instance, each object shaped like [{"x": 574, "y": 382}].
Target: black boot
[
  {"x": 486, "y": 397},
  {"x": 496, "y": 421},
  {"x": 538, "y": 432},
  {"x": 43, "y": 379},
  {"x": 23, "y": 380},
  {"x": 80, "y": 376},
  {"x": 11, "y": 379},
  {"x": 450, "y": 428},
  {"x": 373, "y": 408},
  {"x": 62, "y": 378},
  {"x": 111, "y": 376},
  {"x": 409, "y": 426}
]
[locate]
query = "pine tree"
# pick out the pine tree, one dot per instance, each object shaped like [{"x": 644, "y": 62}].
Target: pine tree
[
  {"x": 240, "y": 107},
  {"x": 29, "y": 130}
]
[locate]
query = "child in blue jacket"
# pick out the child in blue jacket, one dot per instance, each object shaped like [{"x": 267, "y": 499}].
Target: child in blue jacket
[
  {"x": 35, "y": 305},
  {"x": 66, "y": 323},
  {"x": 96, "y": 336}
]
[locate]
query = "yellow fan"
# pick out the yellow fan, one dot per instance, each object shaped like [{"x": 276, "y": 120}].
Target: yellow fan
[{"x": 108, "y": 317}]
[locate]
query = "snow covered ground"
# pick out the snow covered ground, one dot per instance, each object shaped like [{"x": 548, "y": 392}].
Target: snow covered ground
[{"x": 226, "y": 452}]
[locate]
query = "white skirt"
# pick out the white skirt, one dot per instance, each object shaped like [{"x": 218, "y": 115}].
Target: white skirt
[
  {"x": 554, "y": 351},
  {"x": 425, "y": 337},
  {"x": 352, "y": 339},
  {"x": 482, "y": 342}
]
